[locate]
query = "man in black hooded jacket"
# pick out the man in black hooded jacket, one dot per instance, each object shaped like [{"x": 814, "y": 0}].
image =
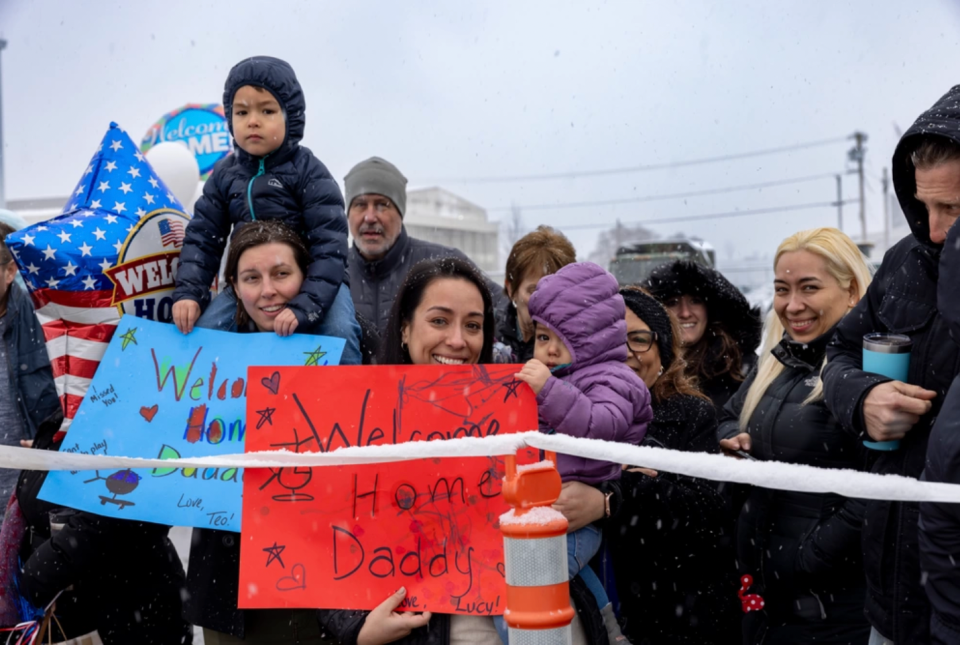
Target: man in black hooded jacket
[
  {"x": 902, "y": 299},
  {"x": 940, "y": 523}
]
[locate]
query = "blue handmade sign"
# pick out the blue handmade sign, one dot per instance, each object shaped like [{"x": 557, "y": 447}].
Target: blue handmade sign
[{"x": 159, "y": 394}]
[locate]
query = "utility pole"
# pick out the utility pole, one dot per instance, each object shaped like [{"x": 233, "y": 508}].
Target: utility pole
[
  {"x": 840, "y": 202},
  {"x": 886, "y": 211},
  {"x": 856, "y": 154},
  {"x": 3, "y": 192},
  {"x": 619, "y": 234}
]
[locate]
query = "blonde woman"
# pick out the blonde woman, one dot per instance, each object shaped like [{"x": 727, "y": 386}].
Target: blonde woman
[{"x": 802, "y": 550}]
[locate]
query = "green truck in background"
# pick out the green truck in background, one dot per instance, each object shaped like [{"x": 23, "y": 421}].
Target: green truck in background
[{"x": 633, "y": 263}]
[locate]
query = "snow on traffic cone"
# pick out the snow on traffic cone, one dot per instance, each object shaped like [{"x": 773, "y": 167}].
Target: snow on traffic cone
[{"x": 538, "y": 607}]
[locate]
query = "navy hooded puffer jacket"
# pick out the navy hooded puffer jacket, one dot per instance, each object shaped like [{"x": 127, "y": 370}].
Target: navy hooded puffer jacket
[{"x": 289, "y": 184}]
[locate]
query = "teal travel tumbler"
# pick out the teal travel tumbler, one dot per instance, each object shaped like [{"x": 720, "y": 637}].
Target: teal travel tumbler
[{"x": 887, "y": 355}]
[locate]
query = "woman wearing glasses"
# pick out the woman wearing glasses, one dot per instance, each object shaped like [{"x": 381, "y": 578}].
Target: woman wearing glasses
[{"x": 675, "y": 581}]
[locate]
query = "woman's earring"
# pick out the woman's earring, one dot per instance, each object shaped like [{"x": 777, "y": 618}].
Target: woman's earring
[
  {"x": 660, "y": 373},
  {"x": 403, "y": 345}
]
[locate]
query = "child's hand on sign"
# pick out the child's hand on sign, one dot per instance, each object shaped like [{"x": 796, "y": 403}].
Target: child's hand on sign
[
  {"x": 185, "y": 314},
  {"x": 384, "y": 625},
  {"x": 534, "y": 374},
  {"x": 285, "y": 323}
]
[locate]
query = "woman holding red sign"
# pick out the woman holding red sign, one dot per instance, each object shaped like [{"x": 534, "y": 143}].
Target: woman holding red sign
[{"x": 443, "y": 315}]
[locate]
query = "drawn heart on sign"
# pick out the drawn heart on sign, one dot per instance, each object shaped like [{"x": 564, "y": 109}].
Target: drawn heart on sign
[
  {"x": 272, "y": 383},
  {"x": 149, "y": 413},
  {"x": 296, "y": 580}
]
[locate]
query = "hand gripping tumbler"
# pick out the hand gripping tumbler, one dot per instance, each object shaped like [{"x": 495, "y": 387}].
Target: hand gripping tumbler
[{"x": 887, "y": 355}]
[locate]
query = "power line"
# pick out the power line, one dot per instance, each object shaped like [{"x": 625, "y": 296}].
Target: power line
[
  {"x": 641, "y": 168},
  {"x": 692, "y": 218},
  {"x": 654, "y": 198}
]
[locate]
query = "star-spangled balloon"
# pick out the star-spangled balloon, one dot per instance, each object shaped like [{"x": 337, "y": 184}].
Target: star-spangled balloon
[
  {"x": 72, "y": 251},
  {"x": 65, "y": 261}
]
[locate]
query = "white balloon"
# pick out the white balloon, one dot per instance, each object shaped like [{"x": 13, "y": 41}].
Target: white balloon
[
  {"x": 196, "y": 195},
  {"x": 178, "y": 169}
]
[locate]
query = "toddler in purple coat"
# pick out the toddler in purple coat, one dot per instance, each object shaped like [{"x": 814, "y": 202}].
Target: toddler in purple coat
[{"x": 583, "y": 386}]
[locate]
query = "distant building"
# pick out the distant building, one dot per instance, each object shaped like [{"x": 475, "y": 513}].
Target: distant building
[
  {"x": 437, "y": 215},
  {"x": 37, "y": 210}
]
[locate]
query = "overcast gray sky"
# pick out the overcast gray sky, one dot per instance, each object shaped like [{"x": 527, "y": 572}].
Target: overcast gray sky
[{"x": 457, "y": 90}]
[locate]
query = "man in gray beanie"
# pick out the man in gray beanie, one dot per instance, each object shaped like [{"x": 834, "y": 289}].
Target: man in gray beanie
[{"x": 382, "y": 253}]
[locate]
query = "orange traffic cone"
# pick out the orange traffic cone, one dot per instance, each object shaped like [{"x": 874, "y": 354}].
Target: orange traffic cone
[{"x": 535, "y": 555}]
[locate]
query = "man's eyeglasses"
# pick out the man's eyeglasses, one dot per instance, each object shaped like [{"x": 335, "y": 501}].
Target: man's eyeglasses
[{"x": 641, "y": 341}]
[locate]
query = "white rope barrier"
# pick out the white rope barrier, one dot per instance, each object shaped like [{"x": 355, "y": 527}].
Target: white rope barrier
[{"x": 767, "y": 474}]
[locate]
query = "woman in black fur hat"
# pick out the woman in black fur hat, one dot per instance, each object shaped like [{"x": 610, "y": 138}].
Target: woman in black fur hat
[{"x": 719, "y": 331}]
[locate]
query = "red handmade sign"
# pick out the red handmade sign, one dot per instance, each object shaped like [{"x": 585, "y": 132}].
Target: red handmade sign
[{"x": 348, "y": 536}]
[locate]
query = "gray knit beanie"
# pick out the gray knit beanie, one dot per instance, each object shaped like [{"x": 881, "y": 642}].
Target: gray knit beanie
[{"x": 377, "y": 176}]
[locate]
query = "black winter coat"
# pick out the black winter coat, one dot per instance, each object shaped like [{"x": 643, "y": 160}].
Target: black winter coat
[
  {"x": 289, "y": 184},
  {"x": 515, "y": 349},
  {"x": 727, "y": 310},
  {"x": 344, "y": 625},
  {"x": 672, "y": 555},
  {"x": 213, "y": 583},
  {"x": 31, "y": 376},
  {"x": 902, "y": 299},
  {"x": 720, "y": 388},
  {"x": 126, "y": 575},
  {"x": 802, "y": 549},
  {"x": 940, "y": 523},
  {"x": 374, "y": 284}
]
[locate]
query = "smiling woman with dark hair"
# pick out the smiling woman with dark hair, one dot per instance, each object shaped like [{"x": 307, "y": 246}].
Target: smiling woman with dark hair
[
  {"x": 442, "y": 315},
  {"x": 719, "y": 331},
  {"x": 418, "y": 333}
]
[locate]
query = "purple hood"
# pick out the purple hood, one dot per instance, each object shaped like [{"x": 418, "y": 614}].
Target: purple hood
[
  {"x": 597, "y": 396},
  {"x": 581, "y": 303}
]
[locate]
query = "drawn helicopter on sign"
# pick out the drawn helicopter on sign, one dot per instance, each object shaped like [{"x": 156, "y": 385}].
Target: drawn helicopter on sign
[{"x": 122, "y": 482}]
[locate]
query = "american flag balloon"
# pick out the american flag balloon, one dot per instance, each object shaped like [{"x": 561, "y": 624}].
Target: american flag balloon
[
  {"x": 171, "y": 232},
  {"x": 113, "y": 250}
]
